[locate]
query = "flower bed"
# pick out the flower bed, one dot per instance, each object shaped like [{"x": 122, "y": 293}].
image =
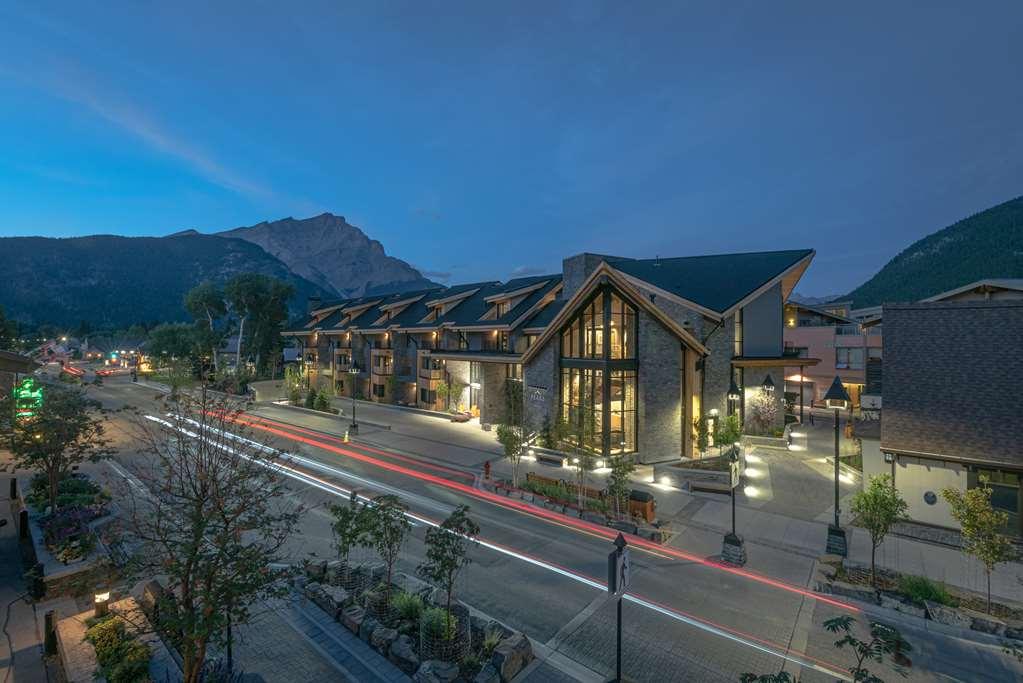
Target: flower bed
[{"x": 412, "y": 629}]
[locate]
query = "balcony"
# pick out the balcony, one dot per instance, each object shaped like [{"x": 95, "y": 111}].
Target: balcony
[{"x": 382, "y": 362}]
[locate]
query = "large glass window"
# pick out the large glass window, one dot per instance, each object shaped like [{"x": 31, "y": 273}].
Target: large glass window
[
  {"x": 737, "y": 351},
  {"x": 598, "y": 375}
]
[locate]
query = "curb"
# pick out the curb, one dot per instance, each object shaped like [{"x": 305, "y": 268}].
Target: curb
[{"x": 323, "y": 414}]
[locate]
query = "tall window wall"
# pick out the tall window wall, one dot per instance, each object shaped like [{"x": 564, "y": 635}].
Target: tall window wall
[{"x": 598, "y": 375}]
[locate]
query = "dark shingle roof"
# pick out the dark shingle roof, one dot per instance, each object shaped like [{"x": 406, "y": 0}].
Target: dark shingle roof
[
  {"x": 715, "y": 282},
  {"x": 951, "y": 376},
  {"x": 544, "y": 317}
]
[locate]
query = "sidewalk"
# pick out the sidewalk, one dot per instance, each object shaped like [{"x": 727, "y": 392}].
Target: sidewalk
[{"x": 21, "y": 647}]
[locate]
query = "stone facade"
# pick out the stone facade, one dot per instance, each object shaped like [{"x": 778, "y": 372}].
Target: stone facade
[
  {"x": 540, "y": 386},
  {"x": 493, "y": 395},
  {"x": 659, "y": 376}
]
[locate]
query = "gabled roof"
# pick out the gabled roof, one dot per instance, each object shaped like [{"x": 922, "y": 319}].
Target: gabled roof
[
  {"x": 820, "y": 311},
  {"x": 543, "y": 318},
  {"x": 951, "y": 376},
  {"x": 470, "y": 309},
  {"x": 625, "y": 286},
  {"x": 1012, "y": 284},
  {"x": 720, "y": 282}
]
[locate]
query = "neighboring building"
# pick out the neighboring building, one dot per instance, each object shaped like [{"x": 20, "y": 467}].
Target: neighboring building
[
  {"x": 631, "y": 354},
  {"x": 843, "y": 346},
  {"x": 951, "y": 407},
  {"x": 991, "y": 289},
  {"x": 12, "y": 367}
]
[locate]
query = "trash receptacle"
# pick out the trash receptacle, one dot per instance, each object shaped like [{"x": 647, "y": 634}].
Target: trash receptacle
[{"x": 642, "y": 504}]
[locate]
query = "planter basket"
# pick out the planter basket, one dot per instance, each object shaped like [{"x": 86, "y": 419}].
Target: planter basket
[{"x": 456, "y": 649}]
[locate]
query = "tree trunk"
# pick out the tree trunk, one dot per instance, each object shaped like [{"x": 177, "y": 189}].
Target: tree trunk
[
  {"x": 238, "y": 346},
  {"x": 873, "y": 576},
  {"x": 989, "y": 591},
  {"x": 216, "y": 360},
  {"x": 53, "y": 479}
]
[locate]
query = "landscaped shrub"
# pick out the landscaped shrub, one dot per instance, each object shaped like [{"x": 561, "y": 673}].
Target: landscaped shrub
[
  {"x": 310, "y": 398},
  {"x": 437, "y": 624},
  {"x": 322, "y": 402},
  {"x": 121, "y": 658},
  {"x": 920, "y": 588},
  {"x": 409, "y": 606},
  {"x": 71, "y": 491}
]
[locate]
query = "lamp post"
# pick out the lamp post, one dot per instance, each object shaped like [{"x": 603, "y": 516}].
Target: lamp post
[
  {"x": 353, "y": 372},
  {"x": 733, "y": 396},
  {"x": 733, "y": 550},
  {"x": 837, "y": 398},
  {"x": 768, "y": 384}
]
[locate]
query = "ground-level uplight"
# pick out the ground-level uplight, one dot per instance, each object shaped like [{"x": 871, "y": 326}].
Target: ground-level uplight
[{"x": 101, "y": 604}]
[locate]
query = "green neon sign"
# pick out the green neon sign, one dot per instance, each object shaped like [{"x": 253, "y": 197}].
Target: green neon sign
[{"x": 28, "y": 398}]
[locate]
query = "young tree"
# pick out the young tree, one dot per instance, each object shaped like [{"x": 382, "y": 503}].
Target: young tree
[
  {"x": 268, "y": 320},
  {"x": 982, "y": 527},
  {"x": 447, "y": 548},
  {"x": 205, "y": 302},
  {"x": 619, "y": 484},
  {"x": 578, "y": 442},
  {"x": 885, "y": 641},
  {"x": 213, "y": 517},
  {"x": 444, "y": 394},
  {"x": 764, "y": 410},
  {"x": 510, "y": 437},
  {"x": 67, "y": 429},
  {"x": 387, "y": 528},
  {"x": 350, "y": 526},
  {"x": 729, "y": 432},
  {"x": 877, "y": 508}
]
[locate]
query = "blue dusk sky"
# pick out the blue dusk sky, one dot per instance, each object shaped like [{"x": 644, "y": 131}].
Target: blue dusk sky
[{"x": 479, "y": 140}]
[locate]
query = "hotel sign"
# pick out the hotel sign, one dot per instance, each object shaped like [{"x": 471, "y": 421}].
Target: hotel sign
[{"x": 536, "y": 394}]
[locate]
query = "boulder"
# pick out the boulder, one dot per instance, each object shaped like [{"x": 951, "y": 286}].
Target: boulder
[
  {"x": 624, "y": 526},
  {"x": 382, "y": 639},
  {"x": 833, "y": 560},
  {"x": 436, "y": 671},
  {"x": 1014, "y": 629},
  {"x": 985, "y": 623},
  {"x": 352, "y": 618},
  {"x": 414, "y": 585},
  {"x": 377, "y": 572},
  {"x": 948, "y": 616},
  {"x": 315, "y": 569},
  {"x": 488, "y": 674},
  {"x": 511, "y": 656},
  {"x": 403, "y": 655},
  {"x": 830, "y": 571},
  {"x": 332, "y": 600},
  {"x": 848, "y": 590},
  {"x": 312, "y": 590},
  {"x": 369, "y": 624},
  {"x": 893, "y": 602}
]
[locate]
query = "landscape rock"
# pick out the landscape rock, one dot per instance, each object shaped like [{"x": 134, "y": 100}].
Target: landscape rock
[
  {"x": 848, "y": 590},
  {"x": 152, "y": 593},
  {"x": 947, "y": 615},
  {"x": 315, "y": 569},
  {"x": 1014, "y": 630},
  {"x": 985, "y": 623},
  {"x": 352, "y": 618},
  {"x": 436, "y": 671},
  {"x": 833, "y": 560},
  {"x": 487, "y": 674},
  {"x": 626, "y": 527},
  {"x": 403, "y": 655},
  {"x": 828, "y": 570},
  {"x": 332, "y": 600},
  {"x": 511, "y": 656},
  {"x": 414, "y": 585},
  {"x": 377, "y": 572},
  {"x": 595, "y": 517},
  {"x": 369, "y": 624},
  {"x": 891, "y": 602},
  {"x": 382, "y": 639}
]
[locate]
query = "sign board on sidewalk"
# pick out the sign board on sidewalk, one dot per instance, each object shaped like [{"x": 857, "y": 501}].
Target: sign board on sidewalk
[
  {"x": 734, "y": 473},
  {"x": 619, "y": 572}
]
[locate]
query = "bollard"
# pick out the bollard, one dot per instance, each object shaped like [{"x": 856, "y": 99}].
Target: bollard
[
  {"x": 14, "y": 488},
  {"x": 50, "y": 633}
]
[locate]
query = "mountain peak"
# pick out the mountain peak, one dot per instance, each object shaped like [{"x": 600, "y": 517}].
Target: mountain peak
[{"x": 329, "y": 251}]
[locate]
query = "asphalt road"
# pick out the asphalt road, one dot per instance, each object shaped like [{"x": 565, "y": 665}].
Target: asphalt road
[{"x": 687, "y": 618}]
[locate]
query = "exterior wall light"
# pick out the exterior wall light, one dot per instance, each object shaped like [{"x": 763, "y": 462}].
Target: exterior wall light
[{"x": 733, "y": 391}]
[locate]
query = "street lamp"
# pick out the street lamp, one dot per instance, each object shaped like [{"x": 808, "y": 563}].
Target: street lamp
[
  {"x": 733, "y": 395},
  {"x": 768, "y": 384},
  {"x": 837, "y": 398},
  {"x": 353, "y": 372},
  {"x": 733, "y": 550}
]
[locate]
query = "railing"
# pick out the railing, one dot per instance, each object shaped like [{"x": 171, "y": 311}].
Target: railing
[{"x": 431, "y": 373}]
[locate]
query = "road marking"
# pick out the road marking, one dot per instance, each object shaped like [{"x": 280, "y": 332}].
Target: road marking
[{"x": 747, "y": 640}]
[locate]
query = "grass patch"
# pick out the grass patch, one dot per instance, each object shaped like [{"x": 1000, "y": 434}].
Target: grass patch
[{"x": 920, "y": 588}]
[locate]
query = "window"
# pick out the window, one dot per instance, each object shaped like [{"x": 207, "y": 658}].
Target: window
[
  {"x": 1005, "y": 495},
  {"x": 851, "y": 358},
  {"x": 582, "y": 408},
  {"x": 513, "y": 370},
  {"x": 598, "y": 375},
  {"x": 379, "y": 390},
  {"x": 503, "y": 307},
  {"x": 427, "y": 396},
  {"x": 737, "y": 351}
]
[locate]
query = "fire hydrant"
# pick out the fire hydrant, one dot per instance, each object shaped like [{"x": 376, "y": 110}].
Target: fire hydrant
[{"x": 486, "y": 470}]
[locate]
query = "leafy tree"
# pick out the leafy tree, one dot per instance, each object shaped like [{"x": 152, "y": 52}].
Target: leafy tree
[
  {"x": 268, "y": 320},
  {"x": 619, "y": 484},
  {"x": 444, "y": 394},
  {"x": 885, "y": 641},
  {"x": 877, "y": 508},
  {"x": 447, "y": 548},
  {"x": 322, "y": 401},
  {"x": 510, "y": 438},
  {"x": 387, "y": 528},
  {"x": 982, "y": 527},
  {"x": 173, "y": 340},
  {"x": 729, "y": 432},
  {"x": 67, "y": 429},
  {"x": 350, "y": 526},
  {"x": 577, "y": 441},
  {"x": 293, "y": 382},
  {"x": 205, "y": 303},
  {"x": 764, "y": 411},
  {"x": 215, "y": 514},
  {"x": 702, "y": 433},
  {"x": 246, "y": 294}
]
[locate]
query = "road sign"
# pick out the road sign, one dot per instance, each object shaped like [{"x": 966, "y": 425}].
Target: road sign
[{"x": 619, "y": 572}]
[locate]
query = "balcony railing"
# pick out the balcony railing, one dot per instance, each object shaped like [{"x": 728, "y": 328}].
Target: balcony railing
[{"x": 431, "y": 373}]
